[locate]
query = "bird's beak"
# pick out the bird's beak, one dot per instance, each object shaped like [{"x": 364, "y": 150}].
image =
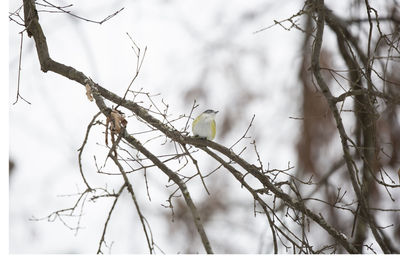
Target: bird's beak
[{"x": 216, "y": 112}]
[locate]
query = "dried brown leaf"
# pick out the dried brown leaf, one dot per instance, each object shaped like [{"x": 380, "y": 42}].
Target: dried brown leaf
[
  {"x": 89, "y": 92},
  {"x": 118, "y": 120}
]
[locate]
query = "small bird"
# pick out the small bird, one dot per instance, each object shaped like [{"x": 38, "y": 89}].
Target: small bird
[{"x": 204, "y": 125}]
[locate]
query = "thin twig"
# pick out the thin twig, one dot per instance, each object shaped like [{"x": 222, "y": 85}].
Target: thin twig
[
  {"x": 83, "y": 146},
  {"x": 143, "y": 220},
  {"x": 62, "y": 10},
  {"x": 102, "y": 239},
  {"x": 19, "y": 72}
]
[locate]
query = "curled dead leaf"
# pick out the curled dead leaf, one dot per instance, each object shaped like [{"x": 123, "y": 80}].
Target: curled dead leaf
[
  {"x": 118, "y": 120},
  {"x": 115, "y": 121},
  {"x": 89, "y": 92}
]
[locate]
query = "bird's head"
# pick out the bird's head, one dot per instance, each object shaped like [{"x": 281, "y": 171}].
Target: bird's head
[{"x": 210, "y": 112}]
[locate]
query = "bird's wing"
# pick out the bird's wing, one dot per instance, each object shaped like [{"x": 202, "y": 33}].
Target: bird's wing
[
  {"x": 195, "y": 122},
  {"x": 213, "y": 129}
]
